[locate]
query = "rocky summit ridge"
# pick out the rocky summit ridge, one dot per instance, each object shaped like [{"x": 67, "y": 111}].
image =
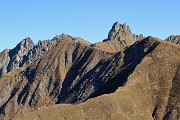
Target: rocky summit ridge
[
  {"x": 70, "y": 78},
  {"x": 119, "y": 37},
  {"x": 26, "y": 52},
  {"x": 122, "y": 32},
  {"x": 173, "y": 38}
]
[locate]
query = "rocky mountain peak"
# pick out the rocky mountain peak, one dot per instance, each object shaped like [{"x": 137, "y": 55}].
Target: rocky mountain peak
[
  {"x": 116, "y": 26},
  {"x": 18, "y": 54},
  {"x": 25, "y": 45},
  {"x": 26, "y": 52},
  {"x": 119, "y": 30},
  {"x": 174, "y": 39},
  {"x": 119, "y": 37},
  {"x": 122, "y": 33}
]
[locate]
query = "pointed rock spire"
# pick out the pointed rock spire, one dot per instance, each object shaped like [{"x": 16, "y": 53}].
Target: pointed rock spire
[
  {"x": 174, "y": 39},
  {"x": 119, "y": 30}
]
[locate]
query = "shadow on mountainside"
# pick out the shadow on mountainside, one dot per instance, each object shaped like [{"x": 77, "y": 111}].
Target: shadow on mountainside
[
  {"x": 107, "y": 75},
  {"x": 24, "y": 93}
]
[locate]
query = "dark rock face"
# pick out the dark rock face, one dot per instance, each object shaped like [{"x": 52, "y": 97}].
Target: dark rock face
[{"x": 174, "y": 39}]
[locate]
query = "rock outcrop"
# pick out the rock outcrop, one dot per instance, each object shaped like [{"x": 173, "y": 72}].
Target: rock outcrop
[
  {"x": 119, "y": 37},
  {"x": 18, "y": 54},
  {"x": 4, "y": 61},
  {"x": 174, "y": 39},
  {"x": 122, "y": 32}
]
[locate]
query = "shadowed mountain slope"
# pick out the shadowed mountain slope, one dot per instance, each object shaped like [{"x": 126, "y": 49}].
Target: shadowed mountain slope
[
  {"x": 150, "y": 91},
  {"x": 143, "y": 80},
  {"x": 40, "y": 83}
]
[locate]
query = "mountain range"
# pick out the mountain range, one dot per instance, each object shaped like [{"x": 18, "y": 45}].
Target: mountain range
[{"x": 124, "y": 77}]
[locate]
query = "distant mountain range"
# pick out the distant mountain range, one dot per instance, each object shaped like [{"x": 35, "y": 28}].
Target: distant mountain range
[{"x": 124, "y": 77}]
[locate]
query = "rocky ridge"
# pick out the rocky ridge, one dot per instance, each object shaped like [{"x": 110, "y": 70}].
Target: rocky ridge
[
  {"x": 174, "y": 39},
  {"x": 119, "y": 37},
  {"x": 26, "y": 52}
]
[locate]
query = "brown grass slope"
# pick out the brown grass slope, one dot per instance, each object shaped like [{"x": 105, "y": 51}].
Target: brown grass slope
[
  {"x": 151, "y": 91},
  {"x": 143, "y": 80}
]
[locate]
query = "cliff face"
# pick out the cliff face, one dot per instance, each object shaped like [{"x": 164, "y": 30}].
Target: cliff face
[{"x": 138, "y": 83}]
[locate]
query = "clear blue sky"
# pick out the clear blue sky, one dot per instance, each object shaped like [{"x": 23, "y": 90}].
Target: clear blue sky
[{"x": 89, "y": 19}]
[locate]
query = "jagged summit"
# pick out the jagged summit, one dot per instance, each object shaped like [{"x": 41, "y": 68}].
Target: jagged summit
[
  {"x": 119, "y": 30},
  {"x": 23, "y": 47},
  {"x": 26, "y": 52},
  {"x": 29, "y": 39},
  {"x": 174, "y": 39},
  {"x": 122, "y": 32},
  {"x": 119, "y": 37}
]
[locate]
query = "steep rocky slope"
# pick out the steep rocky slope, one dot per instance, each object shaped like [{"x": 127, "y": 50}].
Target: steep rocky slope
[
  {"x": 174, "y": 39},
  {"x": 143, "y": 81}
]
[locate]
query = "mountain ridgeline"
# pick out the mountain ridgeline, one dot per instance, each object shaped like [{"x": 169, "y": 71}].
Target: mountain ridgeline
[
  {"x": 125, "y": 76},
  {"x": 26, "y": 52}
]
